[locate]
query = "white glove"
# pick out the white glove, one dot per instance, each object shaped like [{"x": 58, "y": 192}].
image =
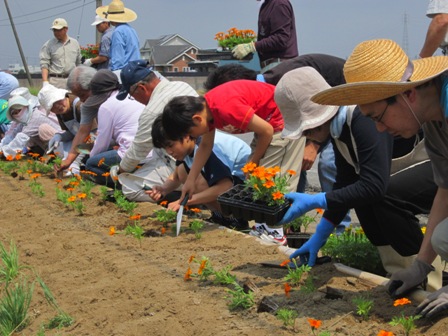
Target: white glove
[
  {"x": 114, "y": 171},
  {"x": 45, "y": 83},
  {"x": 88, "y": 62},
  {"x": 54, "y": 142},
  {"x": 242, "y": 50}
]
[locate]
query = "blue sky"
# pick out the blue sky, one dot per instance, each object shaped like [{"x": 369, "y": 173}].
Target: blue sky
[{"x": 326, "y": 26}]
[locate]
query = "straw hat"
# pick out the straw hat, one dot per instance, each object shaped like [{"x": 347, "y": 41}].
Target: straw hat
[
  {"x": 292, "y": 96},
  {"x": 379, "y": 69},
  {"x": 116, "y": 12}
]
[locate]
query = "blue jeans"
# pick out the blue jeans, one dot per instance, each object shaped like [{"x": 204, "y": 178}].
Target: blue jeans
[
  {"x": 111, "y": 158},
  {"x": 326, "y": 170}
]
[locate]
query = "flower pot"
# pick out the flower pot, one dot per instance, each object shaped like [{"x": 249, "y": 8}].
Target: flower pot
[
  {"x": 297, "y": 239},
  {"x": 238, "y": 202}
]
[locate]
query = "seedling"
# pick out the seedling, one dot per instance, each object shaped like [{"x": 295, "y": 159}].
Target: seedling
[
  {"x": 363, "y": 306},
  {"x": 295, "y": 274},
  {"x": 239, "y": 299},
  {"x": 165, "y": 215},
  {"x": 197, "y": 225},
  {"x": 136, "y": 231},
  {"x": 223, "y": 276},
  {"x": 287, "y": 316}
]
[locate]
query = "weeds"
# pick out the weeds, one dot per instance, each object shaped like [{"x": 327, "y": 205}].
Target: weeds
[
  {"x": 14, "y": 307},
  {"x": 10, "y": 260}
]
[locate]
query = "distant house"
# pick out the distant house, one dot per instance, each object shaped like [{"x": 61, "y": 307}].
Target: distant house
[{"x": 169, "y": 53}]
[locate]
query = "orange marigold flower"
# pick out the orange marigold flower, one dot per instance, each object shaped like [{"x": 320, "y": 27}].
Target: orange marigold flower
[
  {"x": 385, "y": 333},
  {"x": 286, "y": 262},
  {"x": 291, "y": 172},
  {"x": 163, "y": 230},
  {"x": 74, "y": 183},
  {"x": 70, "y": 189},
  {"x": 78, "y": 177},
  {"x": 138, "y": 167},
  {"x": 249, "y": 167},
  {"x": 314, "y": 324},
  {"x": 190, "y": 260},
  {"x": 58, "y": 180},
  {"x": 51, "y": 156},
  {"x": 111, "y": 230},
  {"x": 195, "y": 210},
  {"x": 106, "y": 174},
  {"x": 42, "y": 159},
  {"x": 320, "y": 211},
  {"x": 135, "y": 217},
  {"x": 101, "y": 161},
  {"x": 35, "y": 176},
  {"x": 188, "y": 273},
  {"x": 287, "y": 289},
  {"x": 277, "y": 195},
  {"x": 82, "y": 195},
  {"x": 115, "y": 178},
  {"x": 29, "y": 171},
  {"x": 18, "y": 157},
  {"x": 202, "y": 266},
  {"x": 401, "y": 302},
  {"x": 269, "y": 184},
  {"x": 163, "y": 203},
  {"x": 9, "y": 158},
  {"x": 71, "y": 199}
]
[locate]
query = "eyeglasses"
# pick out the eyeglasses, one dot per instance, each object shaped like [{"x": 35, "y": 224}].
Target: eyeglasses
[{"x": 380, "y": 117}]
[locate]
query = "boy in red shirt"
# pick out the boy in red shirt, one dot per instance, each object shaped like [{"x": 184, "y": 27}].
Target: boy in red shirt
[{"x": 236, "y": 107}]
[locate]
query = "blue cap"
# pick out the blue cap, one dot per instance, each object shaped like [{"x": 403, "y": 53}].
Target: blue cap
[{"x": 132, "y": 73}]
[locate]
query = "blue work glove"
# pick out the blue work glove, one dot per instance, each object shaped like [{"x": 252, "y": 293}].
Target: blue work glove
[
  {"x": 302, "y": 203},
  {"x": 54, "y": 142},
  {"x": 308, "y": 252},
  {"x": 401, "y": 282},
  {"x": 434, "y": 303}
]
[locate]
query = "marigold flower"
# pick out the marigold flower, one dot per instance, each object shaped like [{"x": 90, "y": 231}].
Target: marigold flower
[
  {"x": 314, "y": 324},
  {"x": 249, "y": 167},
  {"x": 320, "y": 211},
  {"x": 106, "y": 174},
  {"x": 9, "y": 158},
  {"x": 70, "y": 189},
  {"x": 100, "y": 162},
  {"x": 18, "y": 157},
  {"x": 82, "y": 195},
  {"x": 269, "y": 184},
  {"x": 138, "y": 167},
  {"x": 423, "y": 229},
  {"x": 286, "y": 262},
  {"x": 190, "y": 260},
  {"x": 35, "y": 176},
  {"x": 111, "y": 230},
  {"x": 71, "y": 199},
  {"x": 195, "y": 210},
  {"x": 29, "y": 171},
  {"x": 74, "y": 183},
  {"x": 402, "y": 302},
  {"x": 51, "y": 156},
  {"x": 291, "y": 172},
  {"x": 277, "y": 195},
  {"x": 115, "y": 178},
  {"x": 287, "y": 289},
  {"x": 135, "y": 217},
  {"x": 202, "y": 266},
  {"x": 188, "y": 273},
  {"x": 385, "y": 333},
  {"x": 163, "y": 203},
  {"x": 78, "y": 177}
]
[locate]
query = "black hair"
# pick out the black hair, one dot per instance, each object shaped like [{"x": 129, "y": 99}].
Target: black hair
[
  {"x": 227, "y": 73},
  {"x": 160, "y": 138},
  {"x": 177, "y": 116}
]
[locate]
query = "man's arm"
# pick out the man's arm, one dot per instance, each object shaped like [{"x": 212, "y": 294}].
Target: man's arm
[
  {"x": 436, "y": 33},
  {"x": 80, "y": 137},
  {"x": 264, "y": 132}
]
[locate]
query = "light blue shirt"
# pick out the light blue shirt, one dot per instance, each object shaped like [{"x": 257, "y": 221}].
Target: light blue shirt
[
  {"x": 106, "y": 40},
  {"x": 124, "y": 47}
]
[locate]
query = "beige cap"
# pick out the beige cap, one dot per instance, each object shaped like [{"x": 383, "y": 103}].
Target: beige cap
[{"x": 59, "y": 24}]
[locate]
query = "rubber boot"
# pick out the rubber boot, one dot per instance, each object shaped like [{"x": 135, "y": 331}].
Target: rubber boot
[{"x": 392, "y": 262}]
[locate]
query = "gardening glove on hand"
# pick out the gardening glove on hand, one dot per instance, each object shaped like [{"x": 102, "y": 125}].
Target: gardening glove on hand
[
  {"x": 88, "y": 62},
  {"x": 54, "y": 142},
  {"x": 401, "y": 282},
  {"x": 434, "y": 303},
  {"x": 308, "y": 252},
  {"x": 302, "y": 203},
  {"x": 244, "y": 49},
  {"x": 114, "y": 172}
]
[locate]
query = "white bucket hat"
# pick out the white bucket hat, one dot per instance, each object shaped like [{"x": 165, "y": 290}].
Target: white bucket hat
[
  {"x": 98, "y": 20},
  {"x": 48, "y": 95},
  {"x": 18, "y": 103},
  {"x": 292, "y": 95}
]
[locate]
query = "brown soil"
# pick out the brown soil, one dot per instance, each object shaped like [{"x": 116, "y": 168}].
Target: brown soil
[{"x": 112, "y": 286}]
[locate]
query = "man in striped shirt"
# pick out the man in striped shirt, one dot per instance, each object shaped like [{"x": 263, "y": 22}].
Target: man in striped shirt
[{"x": 143, "y": 84}]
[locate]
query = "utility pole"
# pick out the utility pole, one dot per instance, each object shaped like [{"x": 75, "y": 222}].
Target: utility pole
[
  {"x": 25, "y": 64},
  {"x": 99, "y": 3}
]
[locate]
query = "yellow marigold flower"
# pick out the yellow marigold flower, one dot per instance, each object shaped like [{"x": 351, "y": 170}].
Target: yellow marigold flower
[
  {"x": 402, "y": 302},
  {"x": 424, "y": 229},
  {"x": 111, "y": 230}
]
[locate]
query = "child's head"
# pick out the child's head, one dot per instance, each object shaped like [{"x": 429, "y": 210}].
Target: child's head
[
  {"x": 178, "y": 147},
  {"x": 185, "y": 115}
]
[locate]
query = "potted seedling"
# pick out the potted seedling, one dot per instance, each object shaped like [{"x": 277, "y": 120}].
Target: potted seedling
[{"x": 296, "y": 230}]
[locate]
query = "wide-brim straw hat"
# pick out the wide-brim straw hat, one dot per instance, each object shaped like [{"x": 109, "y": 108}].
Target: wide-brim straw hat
[
  {"x": 292, "y": 96},
  {"x": 116, "y": 12},
  {"x": 379, "y": 69}
]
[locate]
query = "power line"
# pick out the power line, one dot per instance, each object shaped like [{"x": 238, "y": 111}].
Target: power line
[
  {"x": 51, "y": 16},
  {"x": 42, "y": 10}
]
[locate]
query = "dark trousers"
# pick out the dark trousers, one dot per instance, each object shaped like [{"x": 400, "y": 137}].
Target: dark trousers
[{"x": 392, "y": 221}]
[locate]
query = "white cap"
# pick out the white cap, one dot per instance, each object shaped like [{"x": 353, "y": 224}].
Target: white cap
[
  {"x": 59, "y": 24},
  {"x": 98, "y": 20}
]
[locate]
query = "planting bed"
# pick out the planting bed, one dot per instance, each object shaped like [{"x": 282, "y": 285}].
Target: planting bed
[{"x": 112, "y": 286}]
